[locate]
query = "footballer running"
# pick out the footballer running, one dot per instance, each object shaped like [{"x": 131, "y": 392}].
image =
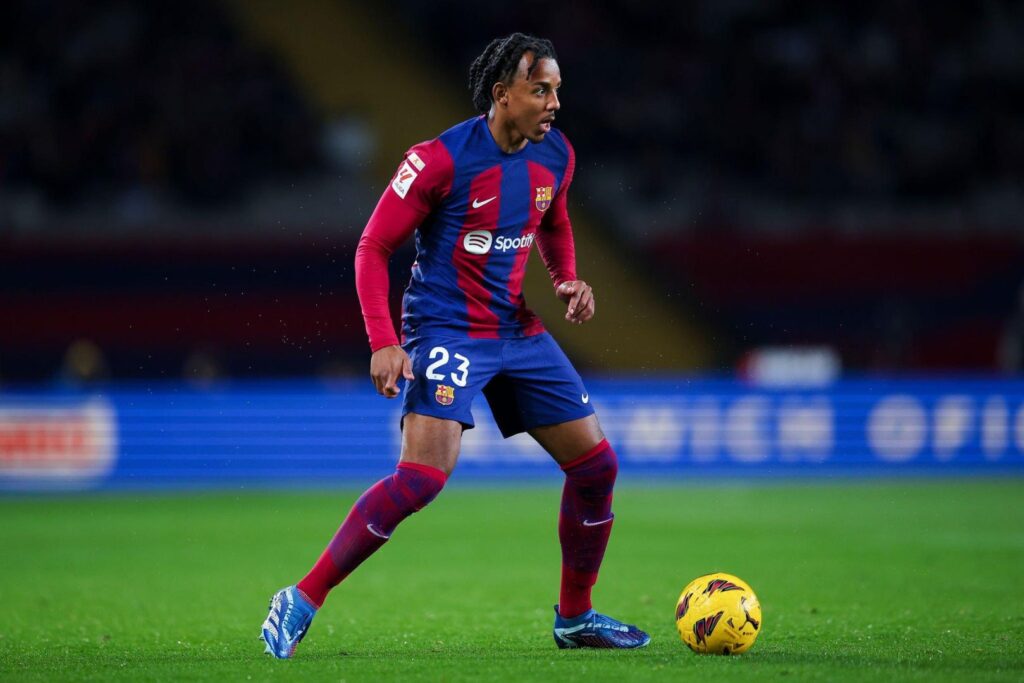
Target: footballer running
[{"x": 477, "y": 198}]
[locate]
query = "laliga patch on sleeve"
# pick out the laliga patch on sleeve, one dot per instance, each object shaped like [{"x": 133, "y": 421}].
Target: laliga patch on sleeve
[{"x": 403, "y": 179}]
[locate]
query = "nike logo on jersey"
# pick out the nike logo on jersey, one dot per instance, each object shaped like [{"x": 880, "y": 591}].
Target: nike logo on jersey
[
  {"x": 585, "y": 398},
  {"x": 587, "y": 522},
  {"x": 477, "y": 203}
]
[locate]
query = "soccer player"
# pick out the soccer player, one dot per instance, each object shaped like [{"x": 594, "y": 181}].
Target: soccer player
[{"x": 477, "y": 198}]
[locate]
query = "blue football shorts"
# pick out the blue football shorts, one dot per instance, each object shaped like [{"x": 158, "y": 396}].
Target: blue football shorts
[{"x": 528, "y": 382}]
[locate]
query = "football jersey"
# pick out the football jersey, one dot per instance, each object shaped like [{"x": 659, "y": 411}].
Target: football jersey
[{"x": 476, "y": 212}]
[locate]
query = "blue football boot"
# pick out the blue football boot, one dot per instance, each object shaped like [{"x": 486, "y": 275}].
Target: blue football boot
[
  {"x": 289, "y": 619},
  {"x": 591, "y": 629}
]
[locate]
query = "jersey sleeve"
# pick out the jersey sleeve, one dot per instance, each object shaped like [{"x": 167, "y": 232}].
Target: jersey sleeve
[
  {"x": 554, "y": 238},
  {"x": 420, "y": 184}
]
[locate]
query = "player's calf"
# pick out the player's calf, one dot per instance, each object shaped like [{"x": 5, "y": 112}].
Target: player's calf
[
  {"x": 585, "y": 524},
  {"x": 370, "y": 524}
]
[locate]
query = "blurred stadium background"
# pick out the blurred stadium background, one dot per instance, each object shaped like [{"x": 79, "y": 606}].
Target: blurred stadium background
[{"x": 802, "y": 221}]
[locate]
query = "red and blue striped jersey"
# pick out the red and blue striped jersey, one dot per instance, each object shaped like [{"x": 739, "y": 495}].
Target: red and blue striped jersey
[{"x": 476, "y": 212}]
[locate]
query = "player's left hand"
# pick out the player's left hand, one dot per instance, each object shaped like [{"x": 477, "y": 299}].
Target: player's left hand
[{"x": 580, "y": 297}]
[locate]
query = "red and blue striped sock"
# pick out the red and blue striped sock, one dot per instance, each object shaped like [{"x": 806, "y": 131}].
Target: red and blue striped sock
[
  {"x": 370, "y": 523},
  {"x": 584, "y": 525}
]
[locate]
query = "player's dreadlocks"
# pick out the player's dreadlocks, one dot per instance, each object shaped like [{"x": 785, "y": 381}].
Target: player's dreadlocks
[{"x": 499, "y": 61}]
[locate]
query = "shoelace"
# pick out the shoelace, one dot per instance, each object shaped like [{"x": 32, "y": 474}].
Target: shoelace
[
  {"x": 607, "y": 622},
  {"x": 289, "y": 625},
  {"x": 282, "y": 626},
  {"x": 286, "y": 622}
]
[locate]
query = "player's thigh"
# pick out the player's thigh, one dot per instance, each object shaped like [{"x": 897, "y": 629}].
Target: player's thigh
[
  {"x": 431, "y": 441},
  {"x": 550, "y": 402},
  {"x": 569, "y": 440},
  {"x": 449, "y": 372}
]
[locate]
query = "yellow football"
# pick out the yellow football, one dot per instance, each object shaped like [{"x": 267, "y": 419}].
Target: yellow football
[{"x": 718, "y": 614}]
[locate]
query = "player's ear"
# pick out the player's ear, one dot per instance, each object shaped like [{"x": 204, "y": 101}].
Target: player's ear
[{"x": 500, "y": 93}]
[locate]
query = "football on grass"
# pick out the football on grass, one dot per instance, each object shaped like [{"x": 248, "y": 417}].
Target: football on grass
[{"x": 718, "y": 614}]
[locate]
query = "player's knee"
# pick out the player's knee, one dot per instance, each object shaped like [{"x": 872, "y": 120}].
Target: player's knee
[
  {"x": 607, "y": 467},
  {"x": 613, "y": 465},
  {"x": 596, "y": 474},
  {"x": 419, "y": 484}
]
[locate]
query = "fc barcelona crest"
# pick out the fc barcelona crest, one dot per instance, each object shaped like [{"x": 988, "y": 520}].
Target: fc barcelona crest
[
  {"x": 543, "y": 199},
  {"x": 445, "y": 394}
]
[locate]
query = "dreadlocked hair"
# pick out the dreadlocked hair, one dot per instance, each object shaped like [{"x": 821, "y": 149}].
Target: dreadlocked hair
[{"x": 499, "y": 61}]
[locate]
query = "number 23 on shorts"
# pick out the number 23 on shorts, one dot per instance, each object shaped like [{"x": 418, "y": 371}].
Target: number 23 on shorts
[{"x": 440, "y": 356}]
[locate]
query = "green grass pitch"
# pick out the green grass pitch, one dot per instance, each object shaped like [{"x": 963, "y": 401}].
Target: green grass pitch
[{"x": 901, "y": 580}]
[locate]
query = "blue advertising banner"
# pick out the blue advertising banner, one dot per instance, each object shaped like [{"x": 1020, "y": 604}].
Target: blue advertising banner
[{"x": 340, "y": 433}]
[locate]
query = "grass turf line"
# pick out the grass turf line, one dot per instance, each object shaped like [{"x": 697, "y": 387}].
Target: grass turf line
[{"x": 889, "y": 581}]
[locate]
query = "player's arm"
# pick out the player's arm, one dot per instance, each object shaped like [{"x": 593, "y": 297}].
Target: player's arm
[
  {"x": 558, "y": 251},
  {"x": 423, "y": 179}
]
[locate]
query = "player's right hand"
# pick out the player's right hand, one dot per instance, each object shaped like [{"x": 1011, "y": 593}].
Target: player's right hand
[{"x": 387, "y": 364}]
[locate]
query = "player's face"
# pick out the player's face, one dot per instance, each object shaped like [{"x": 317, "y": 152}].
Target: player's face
[{"x": 533, "y": 98}]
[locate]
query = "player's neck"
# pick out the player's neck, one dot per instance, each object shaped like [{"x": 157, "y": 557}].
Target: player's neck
[{"x": 505, "y": 135}]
